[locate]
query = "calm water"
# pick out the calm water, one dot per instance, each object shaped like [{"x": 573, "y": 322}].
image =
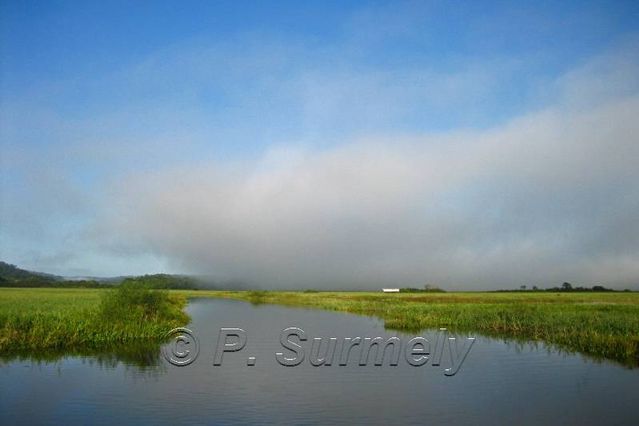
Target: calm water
[{"x": 499, "y": 383}]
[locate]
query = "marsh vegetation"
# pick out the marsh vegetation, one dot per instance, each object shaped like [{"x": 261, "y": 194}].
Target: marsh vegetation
[
  {"x": 51, "y": 320},
  {"x": 601, "y": 325}
]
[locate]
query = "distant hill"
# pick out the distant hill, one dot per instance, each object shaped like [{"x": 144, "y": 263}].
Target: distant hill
[
  {"x": 12, "y": 276},
  {"x": 164, "y": 281}
]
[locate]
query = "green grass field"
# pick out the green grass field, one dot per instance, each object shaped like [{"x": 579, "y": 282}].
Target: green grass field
[
  {"x": 42, "y": 322},
  {"x": 601, "y": 325}
]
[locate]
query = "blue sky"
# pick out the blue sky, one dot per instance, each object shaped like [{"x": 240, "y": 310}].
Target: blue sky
[{"x": 105, "y": 106}]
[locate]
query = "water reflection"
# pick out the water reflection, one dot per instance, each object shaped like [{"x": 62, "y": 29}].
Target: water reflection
[{"x": 141, "y": 355}]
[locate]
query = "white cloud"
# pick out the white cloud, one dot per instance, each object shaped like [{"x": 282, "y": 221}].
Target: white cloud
[{"x": 547, "y": 197}]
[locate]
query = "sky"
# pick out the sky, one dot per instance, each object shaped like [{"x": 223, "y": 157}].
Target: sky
[{"x": 469, "y": 145}]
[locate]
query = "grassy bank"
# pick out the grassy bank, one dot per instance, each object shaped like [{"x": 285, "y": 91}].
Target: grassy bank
[
  {"x": 42, "y": 321},
  {"x": 601, "y": 325}
]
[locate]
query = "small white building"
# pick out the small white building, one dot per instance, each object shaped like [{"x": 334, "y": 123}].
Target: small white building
[{"x": 390, "y": 290}]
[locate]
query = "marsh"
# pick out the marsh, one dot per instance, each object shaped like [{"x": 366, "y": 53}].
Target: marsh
[{"x": 501, "y": 381}]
